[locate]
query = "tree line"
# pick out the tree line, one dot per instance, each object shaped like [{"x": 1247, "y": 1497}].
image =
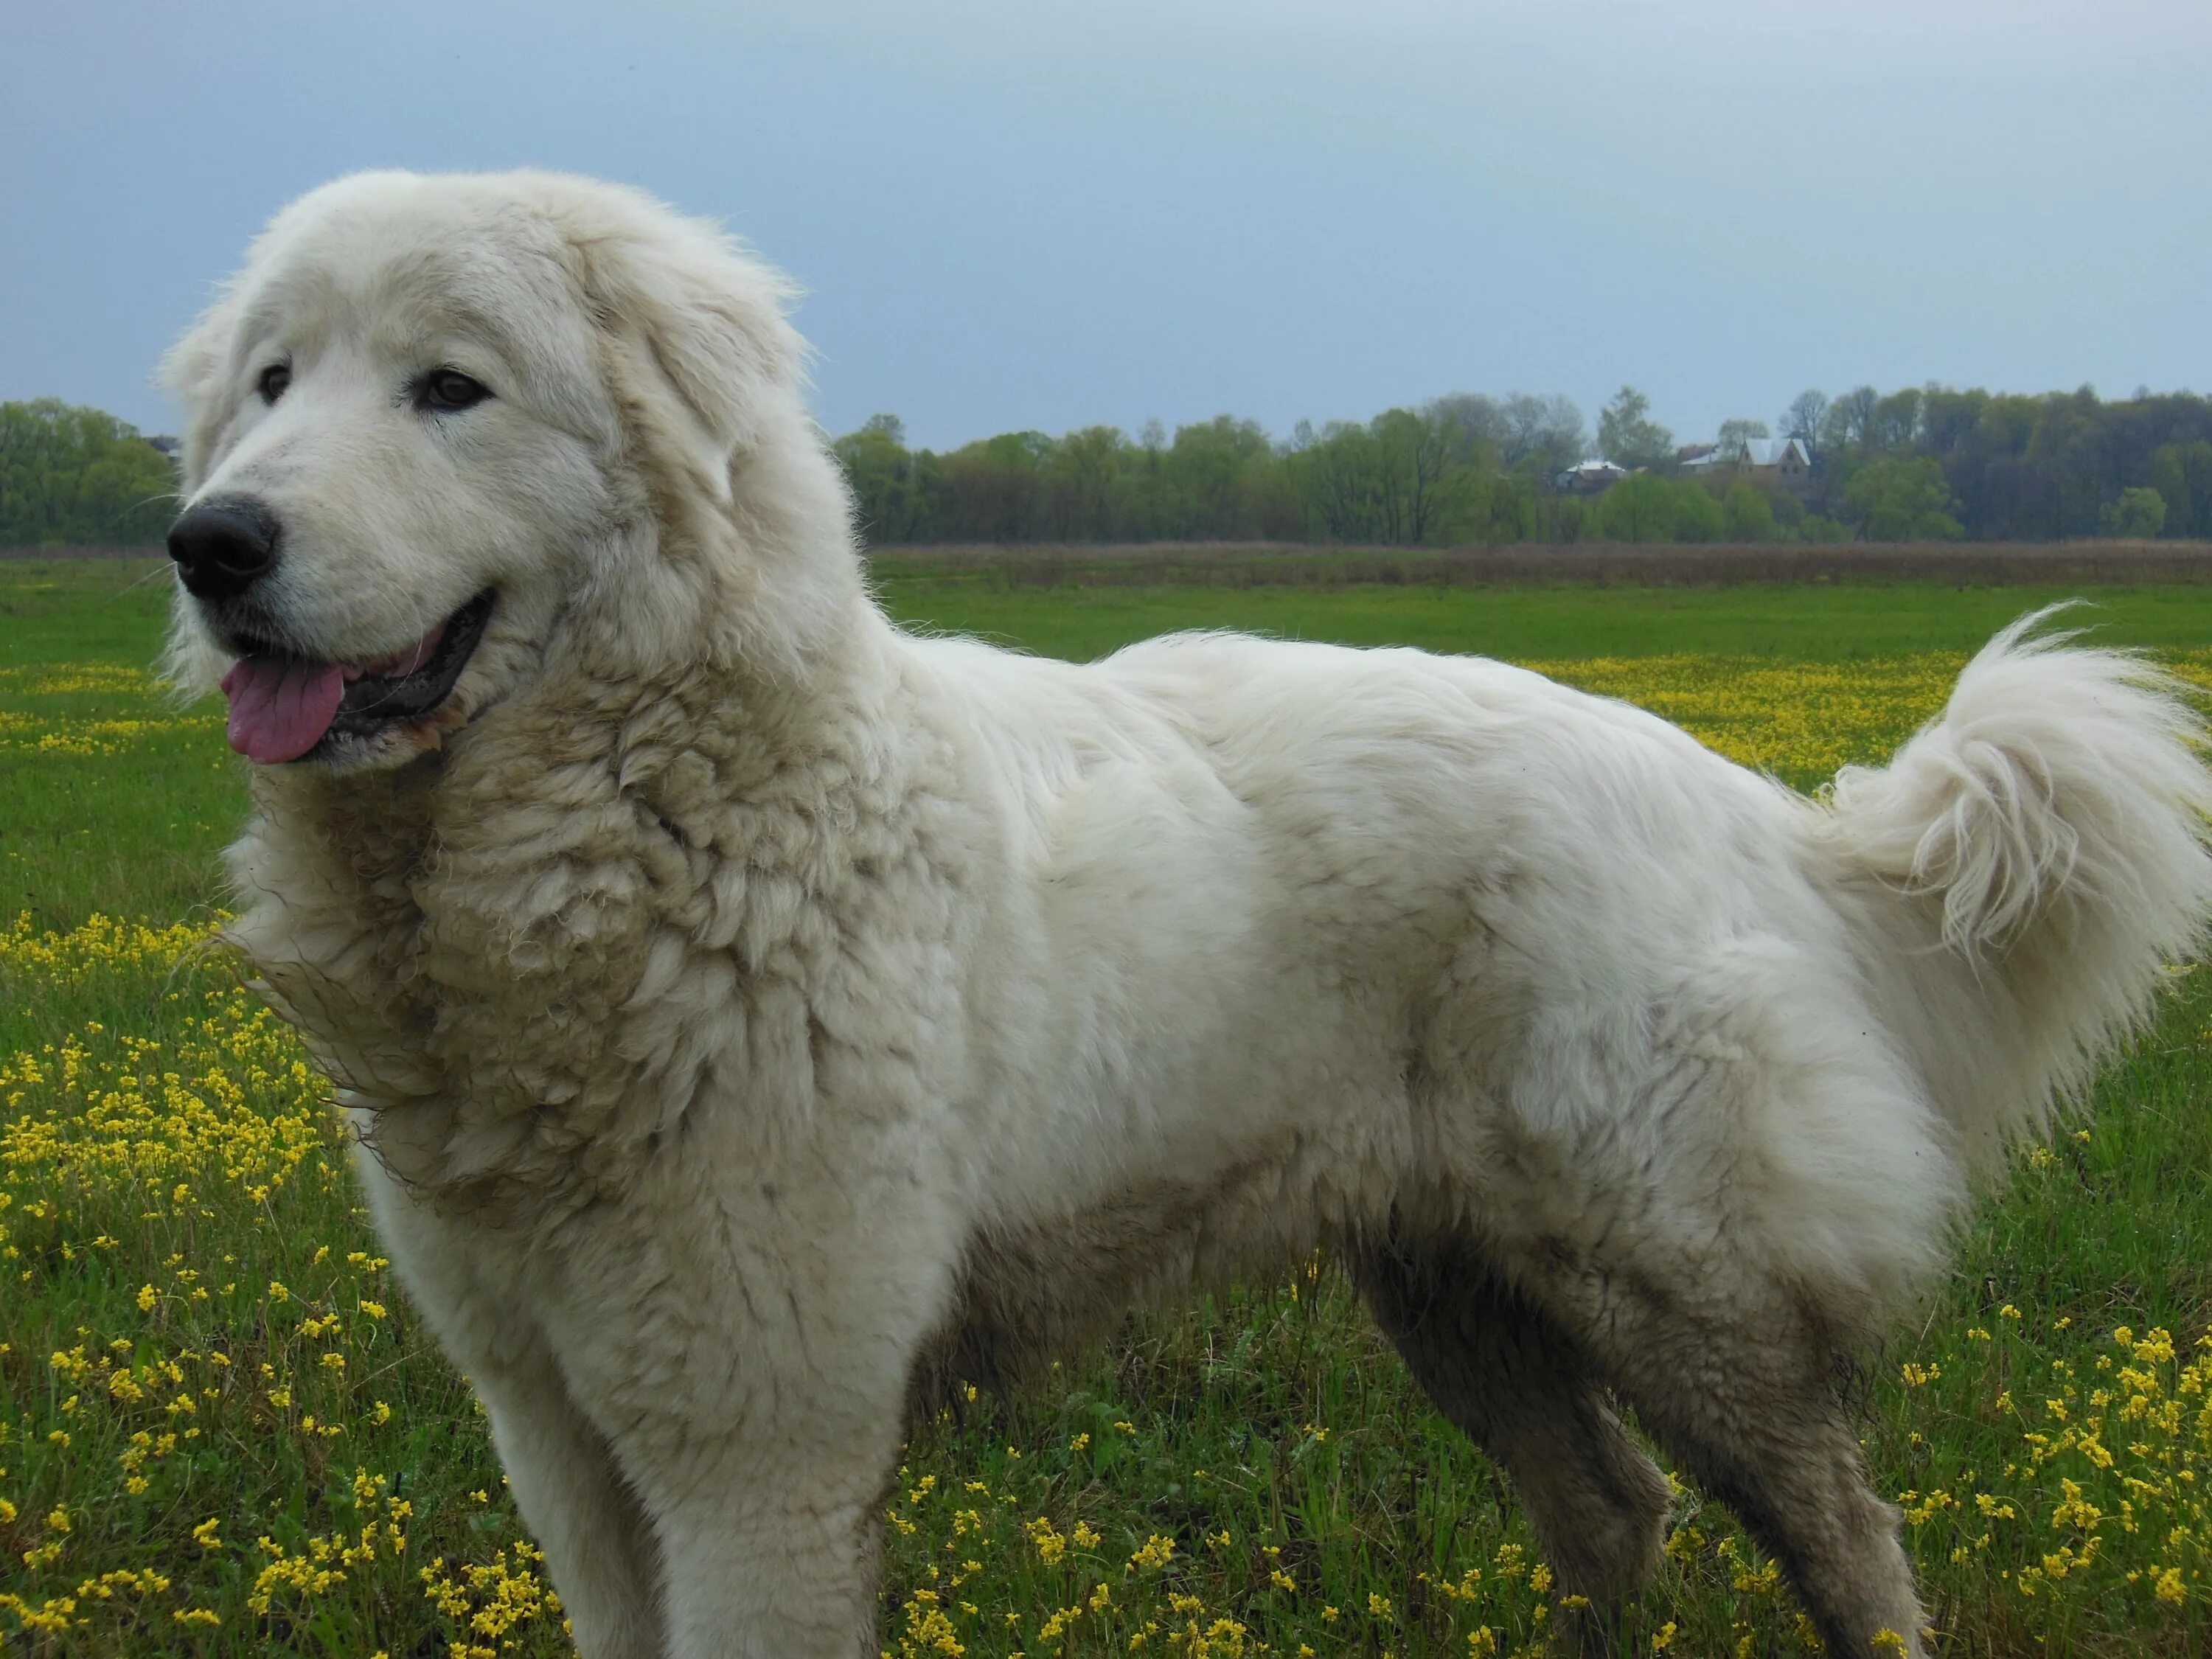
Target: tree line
[
  {"x": 74, "y": 476},
  {"x": 1922, "y": 464},
  {"x": 1928, "y": 462}
]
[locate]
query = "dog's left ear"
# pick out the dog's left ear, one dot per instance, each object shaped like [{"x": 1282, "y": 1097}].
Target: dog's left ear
[
  {"x": 192, "y": 372},
  {"x": 706, "y": 319}
]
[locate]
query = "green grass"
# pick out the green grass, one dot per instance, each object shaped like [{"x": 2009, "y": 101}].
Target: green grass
[
  {"x": 134, "y": 829},
  {"x": 153, "y": 1201}
]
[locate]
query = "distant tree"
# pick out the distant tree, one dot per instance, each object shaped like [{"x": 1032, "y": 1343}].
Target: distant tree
[
  {"x": 1895, "y": 424},
  {"x": 1404, "y": 478},
  {"x": 1642, "y": 508},
  {"x": 1211, "y": 478},
  {"x": 996, "y": 489},
  {"x": 1339, "y": 478},
  {"x": 1807, "y": 414},
  {"x": 2136, "y": 513},
  {"x": 1501, "y": 507},
  {"x": 1083, "y": 475},
  {"x": 1545, "y": 433},
  {"x": 880, "y": 472},
  {"x": 2182, "y": 474},
  {"x": 1736, "y": 432},
  {"x": 1563, "y": 519},
  {"x": 76, "y": 477},
  {"x": 1699, "y": 516},
  {"x": 1748, "y": 516},
  {"x": 1478, "y": 419},
  {"x": 1815, "y": 528},
  {"x": 1849, "y": 423},
  {"x": 1896, "y": 500},
  {"x": 1429, "y": 482},
  {"x": 1628, "y": 436},
  {"x": 1949, "y": 420}
]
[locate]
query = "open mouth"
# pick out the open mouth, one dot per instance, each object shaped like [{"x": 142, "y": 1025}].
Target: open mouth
[{"x": 289, "y": 707}]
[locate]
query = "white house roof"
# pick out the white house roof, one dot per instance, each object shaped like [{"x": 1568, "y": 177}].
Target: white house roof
[
  {"x": 1770, "y": 452},
  {"x": 1754, "y": 452}
]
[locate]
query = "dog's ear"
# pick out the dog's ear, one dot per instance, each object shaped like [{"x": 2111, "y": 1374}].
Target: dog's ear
[
  {"x": 706, "y": 319},
  {"x": 193, "y": 371}
]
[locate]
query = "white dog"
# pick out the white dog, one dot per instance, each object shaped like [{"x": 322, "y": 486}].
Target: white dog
[{"x": 752, "y": 1013}]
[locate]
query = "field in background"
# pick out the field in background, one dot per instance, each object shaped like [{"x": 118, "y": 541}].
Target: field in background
[
  {"x": 1601, "y": 564},
  {"x": 222, "y": 1429}
]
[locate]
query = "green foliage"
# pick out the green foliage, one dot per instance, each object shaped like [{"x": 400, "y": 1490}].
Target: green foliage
[
  {"x": 2182, "y": 474},
  {"x": 1749, "y": 515},
  {"x": 1903, "y": 501},
  {"x": 889, "y": 493},
  {"x": 1404, "y": 479},
  {"x": 2136, "y": 513},
  {"x": 2026, "y": 467},
  {"x": 1698, "y": 513},
  {"x": 1647, "y": 508},
  {"x": 1639, "y": 508},
  {"x": 72, "y": 477},
  {"x": 1628, "y": 436},
  {"x": 1473, "y": 469}
]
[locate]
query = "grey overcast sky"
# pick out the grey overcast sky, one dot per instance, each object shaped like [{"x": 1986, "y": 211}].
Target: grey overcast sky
[{"x": 1013, "y": 213}]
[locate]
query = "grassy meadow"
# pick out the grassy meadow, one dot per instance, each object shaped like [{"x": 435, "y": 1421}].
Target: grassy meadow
[{"x": 223, "y": 1431}]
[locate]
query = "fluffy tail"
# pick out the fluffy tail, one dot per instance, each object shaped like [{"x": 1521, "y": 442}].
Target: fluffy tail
[{"x": 2021, "y": 874}]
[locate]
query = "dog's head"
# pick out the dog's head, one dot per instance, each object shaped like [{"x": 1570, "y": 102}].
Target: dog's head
[{"x": 435, "y": 419}]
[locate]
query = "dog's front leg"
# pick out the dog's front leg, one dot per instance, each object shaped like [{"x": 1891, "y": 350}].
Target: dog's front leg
[
  {"x": 757, "y": 1416},
  {"x": 778, "y": 1556},
  {"x": 599, "y": 1546}
]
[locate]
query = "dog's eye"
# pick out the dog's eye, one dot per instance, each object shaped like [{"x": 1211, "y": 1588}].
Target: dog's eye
[
  {"x": 274, "y": 380},
  {"x": 447, "y": 391}
]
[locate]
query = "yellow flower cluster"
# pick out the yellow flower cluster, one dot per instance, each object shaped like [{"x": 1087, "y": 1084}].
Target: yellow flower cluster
[
  {"x": 111, "y": 737},
  {"x": 163, "y": 1193},
  {"x": 106, "y": 679},
  {"x": 32, "y": 731},
  {"x": 2123, "y": 1453},
  {"x": 1800, "y": 721},
  {"x": 228, "y": 1097},
  {"x": 491, "y": 1600},
  {"x": 978, "y": 1579}
]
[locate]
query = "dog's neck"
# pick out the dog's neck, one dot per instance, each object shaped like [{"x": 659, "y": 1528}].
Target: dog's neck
[{"x": 508, "y": 896}]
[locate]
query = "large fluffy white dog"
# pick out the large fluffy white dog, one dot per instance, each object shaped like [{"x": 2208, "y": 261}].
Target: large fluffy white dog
[{"x": 752, "y": 1013}]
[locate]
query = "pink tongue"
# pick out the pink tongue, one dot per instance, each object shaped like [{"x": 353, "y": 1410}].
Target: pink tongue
[{"x": 279, "y": 707}]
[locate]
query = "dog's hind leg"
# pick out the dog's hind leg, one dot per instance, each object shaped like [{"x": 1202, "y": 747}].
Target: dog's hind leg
[
  {"x": 1527, "y": 1392},
  {"x": 1745, "y": 1399}
]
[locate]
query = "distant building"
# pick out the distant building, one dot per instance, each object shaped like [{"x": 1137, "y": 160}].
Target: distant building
[
  {"x": 1589, "y": 478},
  {"x": 1783, "y": 460},
  {"x": 173, "y": 447}
]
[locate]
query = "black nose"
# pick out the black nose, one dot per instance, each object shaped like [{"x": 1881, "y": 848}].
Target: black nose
[{"x": 223, "y": 546}]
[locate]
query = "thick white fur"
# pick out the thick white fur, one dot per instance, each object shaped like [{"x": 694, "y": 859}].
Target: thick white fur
[{"x": 752, "y": 1011}]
